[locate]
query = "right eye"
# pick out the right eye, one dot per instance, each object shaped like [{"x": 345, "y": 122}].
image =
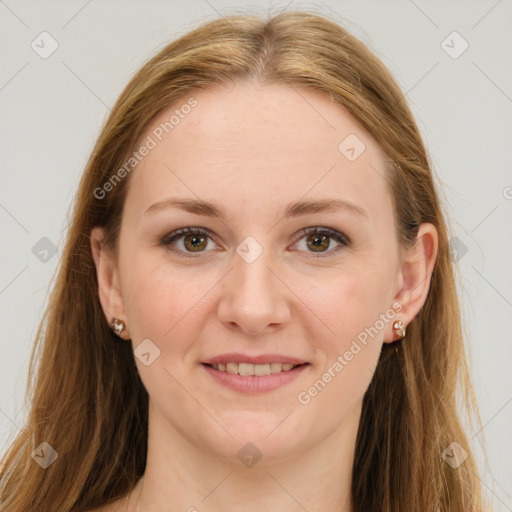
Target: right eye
[{"x": 191, "y": 240}]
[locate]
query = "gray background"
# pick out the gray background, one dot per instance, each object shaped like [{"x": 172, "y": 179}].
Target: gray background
[{"x": 52, "y": 110}]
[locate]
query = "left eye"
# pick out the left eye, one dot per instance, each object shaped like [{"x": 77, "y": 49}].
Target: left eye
[
  {"x": 195, "y": 240},
  {"x": 319, "y": 239}
]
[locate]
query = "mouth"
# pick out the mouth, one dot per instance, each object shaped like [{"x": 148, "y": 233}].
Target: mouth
[
  {"x": 257, "y": 370},
  {"x": 254, "y": 374}
]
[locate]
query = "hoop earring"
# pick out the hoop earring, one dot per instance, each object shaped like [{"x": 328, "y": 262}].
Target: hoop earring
[
  {"x": 399, "y": 330},
  {"x": 117, "y": 326}
]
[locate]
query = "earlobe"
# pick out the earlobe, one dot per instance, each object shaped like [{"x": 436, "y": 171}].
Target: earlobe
[
  {"x": 107, "y": 275},
  {"x": 415, "y": 276}
]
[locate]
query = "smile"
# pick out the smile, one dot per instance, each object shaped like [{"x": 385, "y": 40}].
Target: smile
[
  {"x": 252, "y": 379},
  {"x": 259, "y": 370}
]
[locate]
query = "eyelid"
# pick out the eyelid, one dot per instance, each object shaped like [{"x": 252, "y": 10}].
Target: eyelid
[
  {"x": 338, "y": 236},
  {"x": 333, "y": 233}
]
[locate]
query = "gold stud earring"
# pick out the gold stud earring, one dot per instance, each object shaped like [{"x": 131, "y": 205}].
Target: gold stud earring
[
  {"x": 117, "y": 326},
  {"x": 398, "y": 330}
]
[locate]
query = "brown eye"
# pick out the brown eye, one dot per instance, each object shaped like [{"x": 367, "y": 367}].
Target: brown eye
[
  {"x": 195, "y": 243},
  {"x": 318, "y": 240},
  {"x": 319, "y": 243},
  {"x": 187, "y": 241}
]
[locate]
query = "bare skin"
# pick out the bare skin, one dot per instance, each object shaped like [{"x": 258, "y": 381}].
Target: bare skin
[{"x": 254, "y": 149}]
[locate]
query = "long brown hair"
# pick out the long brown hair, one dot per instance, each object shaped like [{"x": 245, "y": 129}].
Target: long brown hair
[{"x": 86, "y": 398}]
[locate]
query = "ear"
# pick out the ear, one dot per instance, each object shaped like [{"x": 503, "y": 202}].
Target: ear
[
  {"x": 415, "y": 275},
  {"x": 109, "y": 290}
]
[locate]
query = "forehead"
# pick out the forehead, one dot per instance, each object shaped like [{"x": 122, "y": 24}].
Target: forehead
[{"x": 253, "y": 145}]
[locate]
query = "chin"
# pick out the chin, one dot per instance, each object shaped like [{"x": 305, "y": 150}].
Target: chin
[{"x": 268, "y": 437}]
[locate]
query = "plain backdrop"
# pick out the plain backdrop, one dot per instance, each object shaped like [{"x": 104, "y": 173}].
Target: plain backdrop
[{"x": 459, "y": 86}]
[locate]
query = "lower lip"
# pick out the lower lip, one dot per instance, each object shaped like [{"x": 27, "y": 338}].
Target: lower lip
[{"x": 252, "y": 384}]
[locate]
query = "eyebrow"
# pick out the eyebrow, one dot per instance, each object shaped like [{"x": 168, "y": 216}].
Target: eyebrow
[{"x": 294, "y": 209}]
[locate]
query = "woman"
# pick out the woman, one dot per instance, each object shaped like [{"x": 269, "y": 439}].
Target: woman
[{"x": 256, "y": 306}]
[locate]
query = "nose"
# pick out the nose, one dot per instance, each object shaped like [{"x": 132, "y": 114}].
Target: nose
[{"x": 254, "y": 299}]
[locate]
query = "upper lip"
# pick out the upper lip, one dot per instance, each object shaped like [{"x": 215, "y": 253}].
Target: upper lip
[{"x": 259, "y": 359}]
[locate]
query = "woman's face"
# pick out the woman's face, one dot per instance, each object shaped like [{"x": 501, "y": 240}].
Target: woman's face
[{"x": 251, "y": 283}]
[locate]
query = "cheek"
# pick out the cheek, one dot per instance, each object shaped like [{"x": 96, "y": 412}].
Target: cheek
[
  {"x": 165, "y": 302},
  {"x": 349, "y": 300},
  {"x": 351, "y": 305}
]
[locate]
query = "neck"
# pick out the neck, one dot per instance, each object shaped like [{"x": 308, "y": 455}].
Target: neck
[{"x": 180, "y": 476}]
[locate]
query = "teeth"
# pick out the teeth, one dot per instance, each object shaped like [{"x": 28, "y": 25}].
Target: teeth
[
  {"x": 247, "y": 369},
  {"x": 232, "y": 367},
  {"x": 261, "y": 369},
  {"x": 275, "y": 367}
]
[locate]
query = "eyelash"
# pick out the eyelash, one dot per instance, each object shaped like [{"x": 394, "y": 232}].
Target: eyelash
[{"x": 331, "y": 233}]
